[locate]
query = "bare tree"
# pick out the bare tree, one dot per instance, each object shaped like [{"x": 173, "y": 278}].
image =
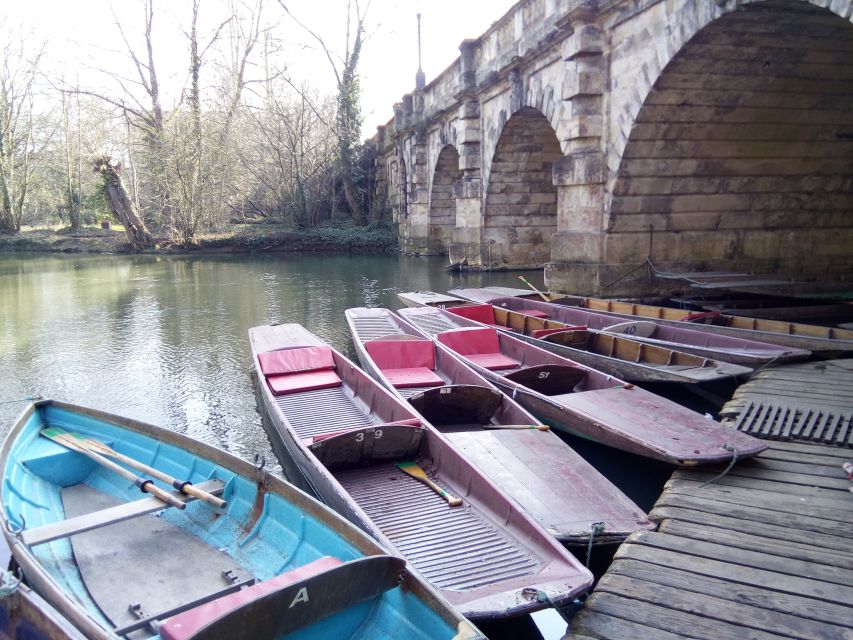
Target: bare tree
[{"x": 120, "y": 204}]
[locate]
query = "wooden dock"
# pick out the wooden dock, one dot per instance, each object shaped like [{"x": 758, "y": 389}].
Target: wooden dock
[{"x": 764, "y": 552}]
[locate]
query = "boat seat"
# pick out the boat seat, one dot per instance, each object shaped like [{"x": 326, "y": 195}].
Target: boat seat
[
  {"x": 541, "y": 333},
  {"x": 534, "y": 313},
  {"x": 299, "y": 369},
  {"x": 482, "y": 313},
  {"x": 480, "y": 346},
  {"x": 406, "y": 363},
  {"x": 290, "y": 601}
]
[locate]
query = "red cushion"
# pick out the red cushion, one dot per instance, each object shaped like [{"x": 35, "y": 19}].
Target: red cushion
[
  {"x": 484, "y": 313},
  {"x": 401, "y": 354},
  {"x": 310, "y": 381},
  {"x": 468, "y": 341},
  {"x": 534, "y": 312},
  {"x": 493, "y": 361},
  {"x": 412, "y": 377},
  {"x": 541, "y": 333},
  {"x": 296, "y": 360},
  {"x": 184, "y": 625}
]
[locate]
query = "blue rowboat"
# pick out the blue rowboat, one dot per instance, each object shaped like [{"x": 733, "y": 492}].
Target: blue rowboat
[{"x": 272, "y": 563}]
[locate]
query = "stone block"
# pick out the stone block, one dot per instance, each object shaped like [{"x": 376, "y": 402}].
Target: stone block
[
  {"x": 576, "y": 246},
  {"x": 586, "y": 40},
  {"x": 579, "y": 168},
  {"x": 469, "y": 213},
  {"x": 580, "y": 126},
  {"x": 582, "y": 83}
]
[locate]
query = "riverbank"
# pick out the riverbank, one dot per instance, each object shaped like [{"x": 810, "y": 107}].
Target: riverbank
[{"x": 251, "y": 238}]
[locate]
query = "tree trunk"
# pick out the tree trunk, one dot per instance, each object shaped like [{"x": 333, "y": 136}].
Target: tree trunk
[{"x": 121, "y": 206}]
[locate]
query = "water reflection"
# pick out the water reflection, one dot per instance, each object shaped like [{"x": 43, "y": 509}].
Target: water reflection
[{"x": 164, "y": 339}]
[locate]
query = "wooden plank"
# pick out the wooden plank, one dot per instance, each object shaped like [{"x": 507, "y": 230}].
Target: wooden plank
[
  {"x": 747, "y": 558},
  {"x": 806, "y": 457},
  {"x": 734, "y": 573},
  {"x": 111, "y": 515},
  {"x": 661, "y": 618},
  {"x": 730, "y": 480},
  {"x": 761, "y": 597},
  {"x": 798, "y": 468},
  {"x": 743, "y": 616},
  {"x": 821, "y": 450},
  {"x": 839, "y": 484},
  {"x": 605, "y": 627},
  {"x": 661, "y": 513},
  {"x": 828, "y": 508},
  {"x": 746, "y": 540},
  {"x": 752, "y": 514}
]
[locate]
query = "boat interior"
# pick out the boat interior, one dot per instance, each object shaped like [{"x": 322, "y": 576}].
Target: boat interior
[{"x": 193, "y": 568}]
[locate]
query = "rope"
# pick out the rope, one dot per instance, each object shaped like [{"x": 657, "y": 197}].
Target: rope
[
  {"x": 732, "y": 463},
  {"x": 24, "y": 399},
  {"x": 8, "y": 584},
  {"x": 597, "y": 528},
  {"x": 566, "y": 611}
]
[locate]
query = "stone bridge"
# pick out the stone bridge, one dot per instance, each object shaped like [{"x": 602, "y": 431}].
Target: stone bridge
[{"x": 592, "y": 137}]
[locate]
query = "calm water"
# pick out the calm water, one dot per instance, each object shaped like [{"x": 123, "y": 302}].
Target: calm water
[{"x": 164, "y": 339}]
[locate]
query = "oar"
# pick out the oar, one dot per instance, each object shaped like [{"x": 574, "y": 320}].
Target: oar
[
  {"x": 183, "y": 486},
  {"x": 412, "y": 469},
  {"x": 540, "y": 427},
  {"x": 541, "y": 295},
  {"x": 144, "y": 484}
]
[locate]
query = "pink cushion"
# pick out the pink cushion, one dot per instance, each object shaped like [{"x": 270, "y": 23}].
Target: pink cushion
[
  {"x": 401, "y": 354},
  {"x": 184, "y": 625},
  {"x": 493, "y": 361},
  {"x": 468, "y": 341},
  {"x": 541, "y": 333},
  {"x": 534, "y": 312},
  {"x": 412, "y": 377},
  {"x": 484, "y": 313},
  {"x": 310, "y": 381},
  {"x": 296, "y": 360}
]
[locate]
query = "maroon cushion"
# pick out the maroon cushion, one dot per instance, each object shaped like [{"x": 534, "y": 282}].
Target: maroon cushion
[
  {"x": 310, "y": 381},
  {"x": 468, "y": 341},
  {"x": 534, "y": 312},
  {"x": 484, "y": 313},
  {"x": 412, "y": 377},
  {"x": 296, "y": 360},
  {"x": 493, "y": 361},
  {"x": 400, "y": 354},
  {"x": 184, "y": 625}
]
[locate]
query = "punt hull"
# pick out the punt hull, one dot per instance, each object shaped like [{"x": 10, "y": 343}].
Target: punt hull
[
  {"x": 527, "y": 464},
  {"x": 502, "y": 591}
]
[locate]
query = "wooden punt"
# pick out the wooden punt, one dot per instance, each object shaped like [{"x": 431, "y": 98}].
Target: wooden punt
[
  {"x": 747, "y": 353},
  {"x": 821, "y": 341},
  {"x": 584, "y": 401},
  {"x": 24, "y": 615},
  {"x": 429, "y": 299},
  {"x": 556, "y": 486},
  {"x": 347, "y": 434},
  {"x": 117, "y": 564},
  {"x": 611, "y": 353}
]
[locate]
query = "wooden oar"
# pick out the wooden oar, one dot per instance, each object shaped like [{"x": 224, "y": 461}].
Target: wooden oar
[
  {"x": 61, "y": 437},
  {"x": 184, "y": 486},
  {"x": 541, "y": 295},
  {"x": 540, "y": 427},
  {"x": 412, "y": 469}
]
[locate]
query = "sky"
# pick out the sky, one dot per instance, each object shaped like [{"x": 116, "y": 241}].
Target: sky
[{"x": 81, "y": 36}]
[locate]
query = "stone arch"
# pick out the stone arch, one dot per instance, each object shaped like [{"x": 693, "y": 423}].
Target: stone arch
[
  {"x": 442, "y": 200},
  {"x": 740, "y": 153},
  {"x": 520, "y": 208}
]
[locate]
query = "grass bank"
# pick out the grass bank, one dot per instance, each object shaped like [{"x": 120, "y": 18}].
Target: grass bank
[{"x": 250, "y": 238}]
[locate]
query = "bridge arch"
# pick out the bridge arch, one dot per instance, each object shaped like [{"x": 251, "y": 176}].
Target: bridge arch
[
  {"x": 520, "y": 203},
  {"x": 442, "y": 200},
  {"x": 738, "y": 151}
]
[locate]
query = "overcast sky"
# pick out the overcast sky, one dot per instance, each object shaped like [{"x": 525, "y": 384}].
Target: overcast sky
[{"x": 82, "y": 34}]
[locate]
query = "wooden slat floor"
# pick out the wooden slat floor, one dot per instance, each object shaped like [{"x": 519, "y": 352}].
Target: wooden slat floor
[{"x": 764, "y": 553}]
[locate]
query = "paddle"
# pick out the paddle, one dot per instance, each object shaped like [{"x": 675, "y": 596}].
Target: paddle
[
  {"x": 539, "y": 427},
  {"x": 541, "y": 295},
  {"x": 184, "y": 486},
  {"x": 145, "y": 485},
  {"x": 412, "y": 469}
]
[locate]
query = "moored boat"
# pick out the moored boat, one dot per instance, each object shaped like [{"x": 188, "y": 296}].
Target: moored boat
[
  {"x": 748, "y": 353},
  {"x": 224, "y": 550},
  {"x": 555, "y": 485},
  {"x": 584, "y": 401},
  {"x": 353, "y": 442},
  {"x": 24, "y": 615},
  {"x": 611, "y": 353}
]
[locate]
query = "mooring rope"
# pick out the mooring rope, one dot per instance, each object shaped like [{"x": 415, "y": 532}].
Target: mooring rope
[
  {"x": 24, "y": 399},
  {"x": 8, "y": 583},
  {"x": 732, "y": 463},
  {"x": 597, "y": 528}
]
